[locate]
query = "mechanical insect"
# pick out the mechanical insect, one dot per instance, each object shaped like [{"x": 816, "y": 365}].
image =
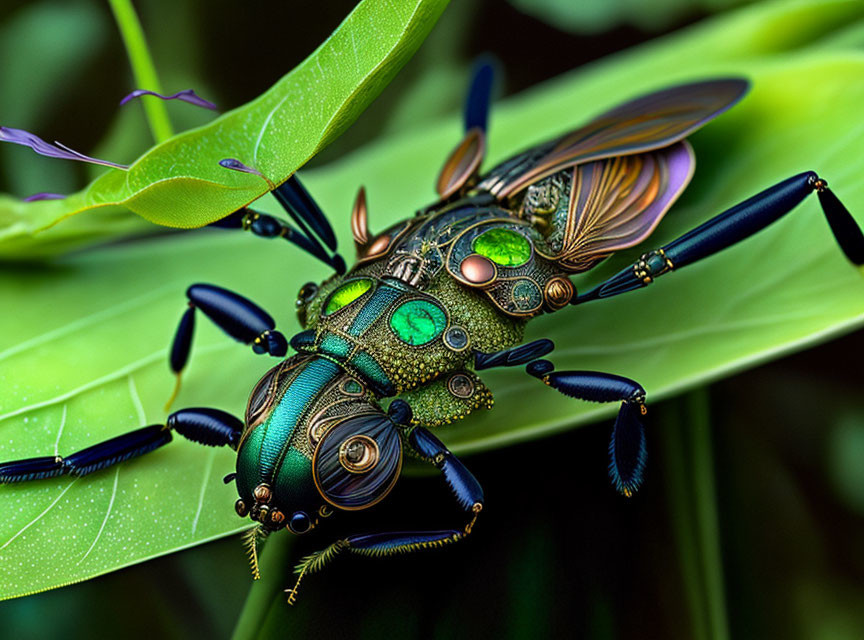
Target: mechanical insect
[{"x": 393, "y": 346}]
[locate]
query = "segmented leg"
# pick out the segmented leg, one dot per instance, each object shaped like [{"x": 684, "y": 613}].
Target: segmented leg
[
  {"x": 237, "y": 316},
  {"x": 513, "y": 356},
  {"x": 731, "y": 227},
  {"x": 479, "y": 98},
  {"x": 464, "y": 486},
  {"x": 210, "y": 427},
  {"x": 314, "y": 228},
  {"x": 461, "y": 168},
  {"x": 627, "y": 450}
]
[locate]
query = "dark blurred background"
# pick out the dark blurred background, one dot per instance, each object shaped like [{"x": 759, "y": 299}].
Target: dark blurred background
[{"x": 556, "y": 553}]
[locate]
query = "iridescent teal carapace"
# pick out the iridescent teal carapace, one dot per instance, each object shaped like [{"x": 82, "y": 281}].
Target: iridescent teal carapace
[
  {"x": 268, "y": 443},
  {"x": 418, "y": 322},
  {"x": 346, "y": 294}
]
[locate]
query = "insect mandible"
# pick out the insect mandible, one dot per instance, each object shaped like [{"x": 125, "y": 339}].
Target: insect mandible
[{"x": 439, "y": 297}]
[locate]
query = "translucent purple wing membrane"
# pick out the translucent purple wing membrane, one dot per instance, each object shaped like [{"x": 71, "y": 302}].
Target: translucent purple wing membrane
[
  {"x": 56, "y": 150},
  {"x": 616, "y": 203},
  {"x": 235, "y": 165},
  {"x": 45, "y": 195},
  {"x": 187, "y": 95}
]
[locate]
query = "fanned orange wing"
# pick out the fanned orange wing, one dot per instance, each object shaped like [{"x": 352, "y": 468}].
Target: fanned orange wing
[
  {"x": 651, "y": 122},
  {"x": 612, "y": 204}
]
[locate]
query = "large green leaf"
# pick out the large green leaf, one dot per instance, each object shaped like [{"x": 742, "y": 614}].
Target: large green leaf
[
  {"x": 595, "y": 16},
  {"x": 180, "y": 183},
  {"x": 87, "y": 338}
]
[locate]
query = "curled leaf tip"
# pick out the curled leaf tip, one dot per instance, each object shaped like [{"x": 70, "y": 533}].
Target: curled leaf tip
[
  {"x": 187, "y": 95},
  {"x": 56, "y": 150},
  {"x": 45, "y": 195}
]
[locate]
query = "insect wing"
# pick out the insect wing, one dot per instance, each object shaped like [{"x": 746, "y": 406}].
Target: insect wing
[
  {"x": 615, "y": 203},
  {"x": 650, "y": 122},
  {"x": 357, "y": 462}
]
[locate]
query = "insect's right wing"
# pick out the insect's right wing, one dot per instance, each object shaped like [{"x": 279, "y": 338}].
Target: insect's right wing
[
  {"x": 605, "y": 186},
  {"x": 650, "y": 122},
  {"x": 594, "y": 209}
]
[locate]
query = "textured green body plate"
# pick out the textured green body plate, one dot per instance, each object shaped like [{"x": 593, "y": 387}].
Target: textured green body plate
[
  {"x": 434, "y": 405},
  {"x": 335, "y": 346},
  {"x": 369, "y": 368}
]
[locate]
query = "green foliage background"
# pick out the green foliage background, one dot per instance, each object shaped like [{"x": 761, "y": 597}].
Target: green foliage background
[{"x": 557, "y": 554}]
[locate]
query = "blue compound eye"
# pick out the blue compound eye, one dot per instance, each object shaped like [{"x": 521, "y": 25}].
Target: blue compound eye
[{"x": 300, "y": 523}]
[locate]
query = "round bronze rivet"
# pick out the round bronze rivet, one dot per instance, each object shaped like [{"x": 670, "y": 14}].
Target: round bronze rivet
[
  {"x": 460, "y": 386},
  {"x": 478, "y": 270},
  {"x": 358, "y": 454},
  {"x": 262, "y": 493},
  {"x": 558, "y": 292}
]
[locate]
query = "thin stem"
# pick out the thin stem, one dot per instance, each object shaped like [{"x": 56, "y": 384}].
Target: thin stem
[
  {"x": 706, "y": 513},
  {"x": 675, "y": 470},
  {"x": 692, "y": 497},
  {"x": 142, "y": 67},
  {"x": 268, "y": 590}
]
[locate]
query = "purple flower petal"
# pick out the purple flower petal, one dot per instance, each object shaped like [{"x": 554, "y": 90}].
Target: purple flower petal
[
  {"x": 235, "y": 165},
  {"x": 187, "y": 95},
  {"x": 44, "y": 196},
  {"x": 56, "y": 150}
]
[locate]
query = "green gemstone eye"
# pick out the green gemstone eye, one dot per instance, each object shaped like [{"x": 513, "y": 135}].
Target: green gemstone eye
[
  {"x": 418, "y": 322},
  {"x": 346, "y": 294},
  {"x": 503, "y": 246}
]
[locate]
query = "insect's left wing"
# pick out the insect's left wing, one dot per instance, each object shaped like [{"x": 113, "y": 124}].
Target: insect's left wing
[{"x": 647, "y": 123}]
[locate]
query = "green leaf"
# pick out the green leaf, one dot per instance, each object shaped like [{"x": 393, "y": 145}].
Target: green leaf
[
  {"x": 180, "y": 183},
  {"x": 89, "y": 335},
  {"x": 594, "y": 16}
]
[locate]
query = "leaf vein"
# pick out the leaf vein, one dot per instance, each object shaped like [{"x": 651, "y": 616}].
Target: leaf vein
[
  {"x": 40, "y": 516},
  {"x": 104, "y": 520},
  {"x": 60, "y": 432},
  {"x": 207, "y": 471},
  {"x": 109, "y": 377}
]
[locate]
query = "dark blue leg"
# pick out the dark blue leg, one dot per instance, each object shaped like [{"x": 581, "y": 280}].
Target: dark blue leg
[
  {"x": 465, "y": 487},
  {"x": 297, "y": 202},
  {"x": 313, "y": 224},
  {"x": 462, "y": 166},
  {"x": 522, "y": 354},
  {"x": 240, "y": 318},
  {"x": 479, "y": 97},
  {"x": 205, "y": 426},
  {"x": 627, "y": 451},
  {"x": 733, "y": 226},
  {"x": 267, "y": 226}
]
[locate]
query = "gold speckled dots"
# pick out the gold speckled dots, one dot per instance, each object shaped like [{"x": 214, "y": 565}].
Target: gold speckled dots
[{"x": 435, "y": 403}]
